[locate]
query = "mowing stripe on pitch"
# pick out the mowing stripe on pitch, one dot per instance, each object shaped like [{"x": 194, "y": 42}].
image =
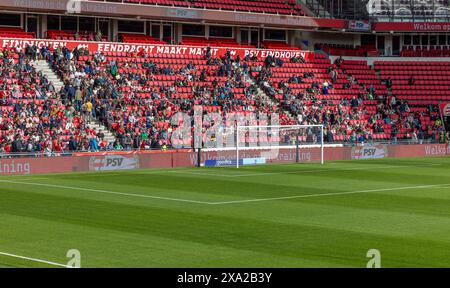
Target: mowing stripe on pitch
[
  {"x": 35, "y": 260},
  {"x": 104, "y": 191},
  {"x": 206, "y": 173},
  {"x": 329, "y": 194},
  {"x": 191, "y": 172},
  {"x": 231, "y": 201},
  {"x": 317, "y": 170}
]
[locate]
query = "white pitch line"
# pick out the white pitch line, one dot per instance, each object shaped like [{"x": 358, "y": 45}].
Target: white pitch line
[
  {"x": 104, "y": 191},
  {"x": 233, "y": 201},
  {"x": 200, "y": 173},
  {"x": 328, "y": 194},
  {"x": 34, "y": 178},
  {"x": 317, "y": 170},
  {"x": 206, "y": 173},
  {"x": 331, "y": 170},
  {"x": 34, "y": 260}
]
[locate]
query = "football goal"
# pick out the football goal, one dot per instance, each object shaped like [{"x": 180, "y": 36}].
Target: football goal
[{"x": 254, "y": 145}]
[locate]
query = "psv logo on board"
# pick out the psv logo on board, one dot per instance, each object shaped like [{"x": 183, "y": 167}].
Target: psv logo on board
[
  {"x": 369, "y": 152},
  {"x": 113, "y": 162}
]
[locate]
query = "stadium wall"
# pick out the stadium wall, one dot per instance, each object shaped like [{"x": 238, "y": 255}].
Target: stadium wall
[{"x": 109, "y": 161}]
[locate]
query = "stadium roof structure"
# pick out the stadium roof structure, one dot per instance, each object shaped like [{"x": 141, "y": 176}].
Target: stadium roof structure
[
  {"x": 381, "y": 20},
  {"x": 172, "y": 13}
]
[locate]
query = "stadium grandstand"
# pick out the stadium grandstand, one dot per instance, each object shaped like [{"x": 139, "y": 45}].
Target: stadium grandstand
[
  {"x": 109, "y": 75},
  {"x": 224, "y": 133}
]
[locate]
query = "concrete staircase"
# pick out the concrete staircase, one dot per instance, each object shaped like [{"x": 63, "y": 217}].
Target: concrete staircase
[
  {"x": 99, "y": 127},
  {"x": 266, "y": 98},
  {"x": 44, "y": 67}
]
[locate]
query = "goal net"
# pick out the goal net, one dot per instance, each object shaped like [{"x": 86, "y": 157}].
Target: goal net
[{"x": 255, "y": 145}]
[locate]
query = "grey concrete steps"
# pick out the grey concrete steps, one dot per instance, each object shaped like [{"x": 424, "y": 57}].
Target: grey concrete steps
[
  {"x": 44, "y": 67},
  {"x": 266, "y": 97},
  {"x": 98, "y": 127}
]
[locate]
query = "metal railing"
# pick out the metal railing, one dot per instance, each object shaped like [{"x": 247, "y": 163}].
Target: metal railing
[
  {"x": 40, "y": 154},
  {"x": 393, "y": 142},
  {"x": 347, "y": 143}
]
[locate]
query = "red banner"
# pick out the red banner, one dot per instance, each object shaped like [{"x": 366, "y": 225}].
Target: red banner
[
  {"x": 426, "y": 150},
  {"x": 413, "y": 26},
  {"x": 154, "y": 48}
]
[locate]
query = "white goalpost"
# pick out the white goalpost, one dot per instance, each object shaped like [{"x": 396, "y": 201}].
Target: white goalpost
[{"x": 279, "y": 144}]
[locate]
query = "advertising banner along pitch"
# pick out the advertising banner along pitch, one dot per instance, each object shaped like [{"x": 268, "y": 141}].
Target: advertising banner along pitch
[{"x": 154, "y": 48}]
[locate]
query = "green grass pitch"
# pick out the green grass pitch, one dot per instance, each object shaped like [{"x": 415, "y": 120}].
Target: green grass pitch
[{"x": 256, "y": 216}]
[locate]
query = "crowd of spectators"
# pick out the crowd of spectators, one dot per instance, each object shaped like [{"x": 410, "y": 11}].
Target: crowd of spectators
[
  {"x": 350, "y": 118},
  {"x": 34, "y": 117},
  {"x": 104, "y": 88},
  {"x": 126, "y": 96}
]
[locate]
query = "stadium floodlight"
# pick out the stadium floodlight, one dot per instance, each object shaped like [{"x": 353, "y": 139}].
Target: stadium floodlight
[{"x": 279, "y": 144}]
